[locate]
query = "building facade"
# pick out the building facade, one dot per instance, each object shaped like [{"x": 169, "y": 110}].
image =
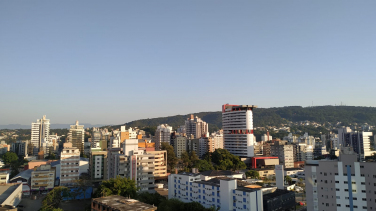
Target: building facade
[
  {"x": 343, "y": 185},
  {"x": 284, "y": 152},
  {"x": 237, "y": 121},
  {"x": 98, "y": 165},
  {"x": 43, "y": 178},
  {"x": 196, "y": 127},
  {"x": 222, "y": 193},
  {"x": 76, "y": 136},
  {"x": 180, "y": 145},
  {"x": 69, "y": 164},
  {"x": 40, "y": 131},
  {"x": 162, "y": 134}
]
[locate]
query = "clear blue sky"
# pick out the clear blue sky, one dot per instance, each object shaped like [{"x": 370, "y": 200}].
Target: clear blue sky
[{"x": 111, "y": 62}]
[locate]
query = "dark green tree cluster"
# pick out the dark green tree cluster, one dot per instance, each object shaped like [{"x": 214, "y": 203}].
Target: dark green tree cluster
[
  {"x": 171, "y": 158},
  {"x": 192, "y": 161},
  {"x": 252, "y": 174},
  {"x": 53, "y": 199},
  {"x": 224, "y": 160},
  {"x": 118, "y": 186}
]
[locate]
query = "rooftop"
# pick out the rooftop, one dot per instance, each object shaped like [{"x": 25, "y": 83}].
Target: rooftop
[
  {"x": 25, "y": 174},
  {"x": 293, "y": 169},
  {"x": 121, "y": 203},
  {"x": 214, "y": 173},
  {"x": 244, "y": 189},
  {"x": 6, "y": 191},
  {"x": 189, "y": 174},
  {"x": 276, "y": 193}
]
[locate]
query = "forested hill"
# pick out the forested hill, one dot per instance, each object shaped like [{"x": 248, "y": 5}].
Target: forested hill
[{"x": 276, "y": 116}]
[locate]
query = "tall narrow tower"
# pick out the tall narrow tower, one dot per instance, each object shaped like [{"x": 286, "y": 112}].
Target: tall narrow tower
[
  {"x": 40, "y": 131},
  {"x": 237, "y": 122},
  {"x": 76, "y": 136}
]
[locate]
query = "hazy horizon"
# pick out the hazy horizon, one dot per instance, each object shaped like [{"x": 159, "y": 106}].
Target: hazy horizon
[{"x": 119, "y": 61}]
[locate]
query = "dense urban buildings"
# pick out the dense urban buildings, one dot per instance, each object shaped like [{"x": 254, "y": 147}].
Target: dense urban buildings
[
  {"x": 40, "y": 132},
  {"x": 237, "y": 121},
  {"x": 346, "y": 184},
  {"x": 76, "y": 136},
  {"x": 196, "y": 127},
  {"x": 284, "y": 152},
  {"x": 162, "y": 134},
  {"x": 359, "y": 141}
]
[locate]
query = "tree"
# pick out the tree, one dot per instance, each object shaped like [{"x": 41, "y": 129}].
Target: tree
[
  {"x": 253, "y": 174},
  {"x": 194, "y": 157},
  {"x": 203, "y": 165},
  {"x": 185, "y": 159},
  {"x": 53, "y": 199},
  {"x": 151, "y": 198},
  {"x": 118, "y": 186},
  {"x": 171, "y": 158},
  {"x": 224, "y": 160},
  {"x": 82, "y": 185},
  {"x": 288, "y": 180},
  {"x": 10, "y": 157}
]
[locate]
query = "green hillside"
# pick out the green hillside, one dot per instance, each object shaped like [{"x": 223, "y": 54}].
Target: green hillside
[{"x": 275, "y": 116}]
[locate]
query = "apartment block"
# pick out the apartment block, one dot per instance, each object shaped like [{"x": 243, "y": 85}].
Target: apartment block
[
  {"x": 221, "y": 192},
  {"x": 237, "y": 121},
  {"x": 40, "y": 131},
  {"x": 284, "y": 152},
  {"x": 359, "y": 141},
  {"x": 162, "y": 134},
  {"x": 196, "y": 127},
  {"x": 43, "y": 178},
  {"x": 143, "y": 167},
  {"x": 345, "y": 184},
  {"x": 180, "y": 145},
  {"x": 69, "y": 164},
  {"x": 98, "y": 165},
  {"x": 76, "y": 136},
  {"x": 19, "y": 147}
]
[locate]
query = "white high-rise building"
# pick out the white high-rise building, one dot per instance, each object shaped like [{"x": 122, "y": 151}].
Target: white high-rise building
[
  {"x": 162, "y": 134},
  {"x": 40, "y": 131},
  {"x": 237, "y": 122}
]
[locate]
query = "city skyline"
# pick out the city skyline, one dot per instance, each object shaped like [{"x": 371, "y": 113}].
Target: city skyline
[{"x": 110, "y": 63}]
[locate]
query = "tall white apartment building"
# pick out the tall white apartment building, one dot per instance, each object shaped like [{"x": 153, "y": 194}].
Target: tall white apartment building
[
  {"x": 237, "y": 122},
  {"x": 223, "y": 193},
  {"x": 40, "y": 131},
  {"x": 217, "y": 138},
  {"x": 162, "y": 134},
  {"x": 266, "y": 137},
  {"x": 76, "y": 136},
  {"x": 196, "y": 127},
  {"x": 342, "y": 185},
  {"x": 69, "y": 164}
]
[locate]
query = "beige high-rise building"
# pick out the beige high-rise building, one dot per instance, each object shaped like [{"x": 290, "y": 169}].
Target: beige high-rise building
[
  {"x": 76, "y": 136},
  {"x": 180, "y": 145},
  {"x": 69, "y": 164},
  {"x": 284, "y": 152},
  {"x": 141, "y": 165},
  {"x": 196, "y": 127}
]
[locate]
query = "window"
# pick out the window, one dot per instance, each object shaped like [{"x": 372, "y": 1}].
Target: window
[{"x": 338, "y": 205}]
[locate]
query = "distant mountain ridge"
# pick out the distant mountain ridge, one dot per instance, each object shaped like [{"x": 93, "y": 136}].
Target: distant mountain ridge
[
  {"x": 52, "y": 126},
  {"x": 275, "y": 116}
]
